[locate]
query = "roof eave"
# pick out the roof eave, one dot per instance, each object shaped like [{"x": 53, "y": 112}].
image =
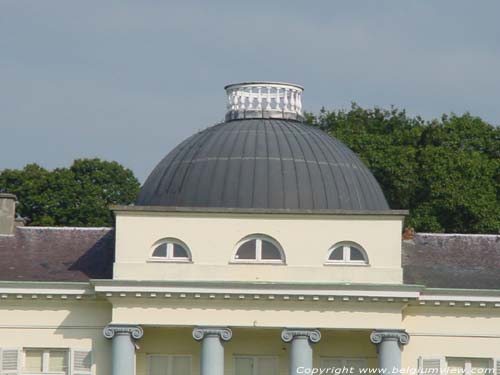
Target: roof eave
[{"x": 261, "y": 211}]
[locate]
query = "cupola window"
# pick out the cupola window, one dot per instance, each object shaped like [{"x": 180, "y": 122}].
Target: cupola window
[
  {"x": 347, "y": 253},
  {"x": 171, "y": 250},
  {"x": 260, "y": 249}
]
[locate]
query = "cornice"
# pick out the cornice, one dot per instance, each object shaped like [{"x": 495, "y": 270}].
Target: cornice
[
  {"x": 254, "y": 211},
  {"x": 333, "y": 292},
  {"x": 405, "y": 295}
]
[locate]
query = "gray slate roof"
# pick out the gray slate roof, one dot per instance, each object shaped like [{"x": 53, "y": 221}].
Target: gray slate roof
[
  {"x": 57, "y": 254},
  {"x": 79, "y": 254},
  {"x": 463, "y": 261},
  {"x": 263, "y": 163}
]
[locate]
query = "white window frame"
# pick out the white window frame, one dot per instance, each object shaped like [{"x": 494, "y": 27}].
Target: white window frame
[
  {"x": 343, "y": 360},
  {"x": 169, "y": 356},
  {"x": 170, "y": 242},
  {"x": 494, "y": 363},
  {"x": 258, "y": 250},
  {"x": 468, "y": 364},
  {"x": 45, "y": 361},
  {"x": 255, "y": 358},
  {"x": 346, "y": 252}
]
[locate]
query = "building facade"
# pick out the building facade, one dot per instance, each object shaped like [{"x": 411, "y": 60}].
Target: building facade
[{"x": 259, "y": 246}]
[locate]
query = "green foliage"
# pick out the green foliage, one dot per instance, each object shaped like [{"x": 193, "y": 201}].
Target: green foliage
[
  {"x": 447, "y": 171},
  {"x": 76, "y": 196}
]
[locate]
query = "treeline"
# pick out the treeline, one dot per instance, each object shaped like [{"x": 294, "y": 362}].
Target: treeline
[
  {"x": 76, "y": 196},
  {"x": 446, "y": 171}
]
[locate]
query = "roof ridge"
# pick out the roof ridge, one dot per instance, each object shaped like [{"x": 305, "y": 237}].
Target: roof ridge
[
  {"x": 457, "y": 234},
  {"x": 66, "y": 228}
]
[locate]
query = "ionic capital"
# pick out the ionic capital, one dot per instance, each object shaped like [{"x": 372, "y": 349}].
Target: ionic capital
[
  {"x": 224, "y": 333},
  {"x": 111, "y": 330},
  {"x": 400, "y": 336},
  {"x": 288, "y": 334}
]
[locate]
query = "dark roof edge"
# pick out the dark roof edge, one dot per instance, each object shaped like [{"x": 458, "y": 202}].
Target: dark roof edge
[
  {"x": 460, "y": 291},
  {"x": 265, "y": 211}
]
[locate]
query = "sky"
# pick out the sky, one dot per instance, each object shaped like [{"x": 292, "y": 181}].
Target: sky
[{"x": 128, "y": 80}]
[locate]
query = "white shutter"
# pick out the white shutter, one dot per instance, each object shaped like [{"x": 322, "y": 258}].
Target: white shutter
[
  {"x": 81, "y": 362},
  {"x": 267, "y": 366},
  {"x": 326, "y": 363},
  {"x": 431, "y": 365},
  {"x": 243, "y": 366},
  {"x": 496, "y": 366},
  {"x": 10, "y": 361},
  {"x": 181, "y": 365}
]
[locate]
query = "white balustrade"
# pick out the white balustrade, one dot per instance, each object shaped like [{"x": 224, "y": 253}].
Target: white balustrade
[{"x": 264, "y": 100}]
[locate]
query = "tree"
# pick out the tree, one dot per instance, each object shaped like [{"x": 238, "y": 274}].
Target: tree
[
  {"x": 446, "y": 172},
  {"x": 76, "y": 196}
]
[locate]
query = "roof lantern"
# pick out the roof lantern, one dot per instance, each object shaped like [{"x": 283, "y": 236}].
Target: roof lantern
[{"x": 262, "y": 99}]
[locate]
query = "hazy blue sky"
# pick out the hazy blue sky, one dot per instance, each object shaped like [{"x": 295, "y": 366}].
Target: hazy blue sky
[{"x": 128, "y": 80}]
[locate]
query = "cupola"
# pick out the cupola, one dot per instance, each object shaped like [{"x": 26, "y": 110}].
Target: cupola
[{"x": 263, "y": 157}]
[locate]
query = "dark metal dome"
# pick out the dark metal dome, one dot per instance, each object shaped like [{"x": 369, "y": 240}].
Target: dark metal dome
[{"x": 263, "y": 163}]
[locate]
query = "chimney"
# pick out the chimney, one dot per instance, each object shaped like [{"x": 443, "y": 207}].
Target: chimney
[
  {"x": 408, "y": 234},
  {"x": 7, "y": 214}
]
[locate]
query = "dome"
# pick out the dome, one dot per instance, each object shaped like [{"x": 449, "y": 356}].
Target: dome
[{"x": 266, "y": 160}]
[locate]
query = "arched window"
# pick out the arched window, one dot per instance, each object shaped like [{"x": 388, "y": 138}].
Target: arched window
[
  {"x": 171, "y": 249},
  {"x": 347, "y": 253},
  {"x": 259, "y": 249}
]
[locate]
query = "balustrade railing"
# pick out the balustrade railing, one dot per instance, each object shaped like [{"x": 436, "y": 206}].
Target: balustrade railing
[{"x": 264, "y": 100}]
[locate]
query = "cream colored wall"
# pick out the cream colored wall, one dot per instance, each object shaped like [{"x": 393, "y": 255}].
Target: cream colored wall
[
  {"x": 252, "y": 342},
  {"x": 58, "y": 324},
  {"x": 212, "y": 239},
  {"x": 266, "y": 314},
  {"x": 434, "y": 331},
  {"x": 451, "y": 331}
]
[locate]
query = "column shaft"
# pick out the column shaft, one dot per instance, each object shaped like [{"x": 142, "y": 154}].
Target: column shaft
[
  {"x": 212, "y": 348},
  {"x": 123, "y": 355},
  {"x": 123, "y": 338},
  {"x": 301, "y": 353},
  {"x": 389, "y": 344},
  {"x": 389, "y": 356}
]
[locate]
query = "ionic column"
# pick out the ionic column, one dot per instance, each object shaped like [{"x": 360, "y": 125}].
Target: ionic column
[
  {"x": 301, "y": 354},
  {"x": 212, "y": 349},
  {"x": 123, "y": 338},
  {"x": 389, "y": 345}
]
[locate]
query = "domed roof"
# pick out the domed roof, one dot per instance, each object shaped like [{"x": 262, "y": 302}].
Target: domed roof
[{"x": 263, "y": 163}]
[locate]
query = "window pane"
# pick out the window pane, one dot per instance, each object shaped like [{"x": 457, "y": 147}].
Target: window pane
[
  {"x": 356, "y": 254},
  {"x": 247, "y": 250},
  {"x": 181, "y": 366},
  {"x": 456, "y": 366},
  {"x": 160, "y": 251},
  {"x": 337, "y": 253},
  {"x": 479, "y": 366},
  {"x": 180, "y": 252},
  {"x": 33, "y": 360},
  {"x": 267, "y": 366},
  {"x": 332, "y": 363},
  {"x": 244, "y": 366},
  {"x": 269, "y": 251},
  {"x": 356, "y": 365},
  {"x": 158, "y": 365},
  {"x": 58, "y": 360}
]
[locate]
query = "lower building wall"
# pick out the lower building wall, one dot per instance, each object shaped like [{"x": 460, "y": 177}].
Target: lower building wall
[
  {"x": 434, "y": 332},
  {"x": 54, "y": 324},
  {"x": 248, "y": 342},
  {"x": 451, "y": 332}
]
